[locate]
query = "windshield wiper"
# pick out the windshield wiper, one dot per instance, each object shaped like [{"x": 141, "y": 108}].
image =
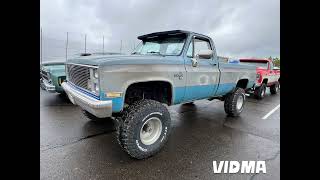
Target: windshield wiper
[{"x": 153, "y": 52}]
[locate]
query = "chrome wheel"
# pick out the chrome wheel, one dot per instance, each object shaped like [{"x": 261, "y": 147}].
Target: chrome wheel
[
  {"x": 240, "y": 102},
  {"x": 150, "y": 131}
]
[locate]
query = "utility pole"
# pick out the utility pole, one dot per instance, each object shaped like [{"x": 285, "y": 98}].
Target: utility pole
[
  {"x": 41, "y": 46},
  {"x": 85, "y": 43},
  {"x": 120, "y": 46},
  {"x": 67, "y": 46},
  {"x": 102, "y": 44}
]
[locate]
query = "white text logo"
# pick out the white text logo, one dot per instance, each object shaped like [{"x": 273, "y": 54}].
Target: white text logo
[{"x": 243, "y": 167}]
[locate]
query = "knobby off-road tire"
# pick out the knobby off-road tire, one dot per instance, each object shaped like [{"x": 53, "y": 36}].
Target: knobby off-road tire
[
  {"x": 260, "y": 92},
  {"x": 140, "y": 119},
  {"x": 234, "y": 102},
  {"x": 92, "y": 117},
  {"x": 274, "y": 88}
]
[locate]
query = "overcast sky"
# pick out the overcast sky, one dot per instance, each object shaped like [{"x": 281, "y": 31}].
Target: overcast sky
[{"x": 246, "y": 28}]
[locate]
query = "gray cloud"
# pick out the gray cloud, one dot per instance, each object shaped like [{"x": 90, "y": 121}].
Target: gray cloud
[{"x": 239, "y": 28}]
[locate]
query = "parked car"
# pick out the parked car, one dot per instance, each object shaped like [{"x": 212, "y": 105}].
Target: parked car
[
  {"x": 52, "y": 74},
  {"x": 267, "y": 76},
  {"x": 167, "y": 68}
]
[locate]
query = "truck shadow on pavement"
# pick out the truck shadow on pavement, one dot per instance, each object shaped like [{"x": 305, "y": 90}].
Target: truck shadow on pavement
[
  {"x": 95, "y": 128},
  {"x": 54, "y": 99}
]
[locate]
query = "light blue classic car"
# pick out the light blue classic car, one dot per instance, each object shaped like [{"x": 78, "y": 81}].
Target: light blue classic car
[{"x": 52, "y": 74}]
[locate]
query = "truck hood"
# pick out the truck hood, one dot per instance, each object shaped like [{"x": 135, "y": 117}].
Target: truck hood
[
  {"x": 260, "y": 70},
  {"x": 107, "y": 60},
  {"x": 58, "y": 72},
  {"x": 55, "y": 70}
]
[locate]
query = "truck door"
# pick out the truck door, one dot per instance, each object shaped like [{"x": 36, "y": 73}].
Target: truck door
[{"x": 202, "y": 79}]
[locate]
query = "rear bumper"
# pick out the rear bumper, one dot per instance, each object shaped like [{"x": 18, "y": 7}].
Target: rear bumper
[
  {"x": 47, "y": 86},
  {"x": 96, "y": 107}
]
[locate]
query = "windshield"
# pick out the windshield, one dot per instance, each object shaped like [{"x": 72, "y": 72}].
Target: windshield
[
  {"x": 55, "y": 66},
  {"x": 263, "y": 65},
  {"x": 171, "y": 46}
]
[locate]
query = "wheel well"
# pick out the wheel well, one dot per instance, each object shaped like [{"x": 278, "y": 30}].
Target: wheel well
[
  {"x": 242, "y": 83},
  {"x": 156, "y": 90},
  {"x": 265, "y": 81}
]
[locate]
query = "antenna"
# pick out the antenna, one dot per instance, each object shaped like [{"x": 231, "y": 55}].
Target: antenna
[
  {"x": 41, "y": 46},
  {"x": 85, "y": 43},
  {"x": 67, "y": 46},
  {"x": 121, "y": 46}
]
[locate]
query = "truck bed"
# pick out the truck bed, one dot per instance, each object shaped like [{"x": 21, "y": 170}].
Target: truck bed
[{"x": 230, "y": 74}]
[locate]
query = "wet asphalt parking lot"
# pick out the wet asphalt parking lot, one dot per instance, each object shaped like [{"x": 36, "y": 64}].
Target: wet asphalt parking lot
[{"x": 73, "y": 148}]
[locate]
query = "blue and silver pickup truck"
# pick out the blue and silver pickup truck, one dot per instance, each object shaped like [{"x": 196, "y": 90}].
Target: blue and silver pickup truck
[{"x": 167, "y": 68}]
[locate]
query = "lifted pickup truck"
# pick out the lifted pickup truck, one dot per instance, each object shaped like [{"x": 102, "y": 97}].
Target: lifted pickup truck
[
  {"x": 267, "y": 76},
  {"x": 167, "y": 68}
]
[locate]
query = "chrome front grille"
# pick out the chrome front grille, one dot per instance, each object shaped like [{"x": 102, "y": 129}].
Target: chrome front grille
[
  {"x": 79, "y": 75},
  {"x": 44, "y": 75}
]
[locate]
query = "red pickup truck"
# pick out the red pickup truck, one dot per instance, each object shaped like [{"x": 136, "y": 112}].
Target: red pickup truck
[{"x": 267, "y": 76}]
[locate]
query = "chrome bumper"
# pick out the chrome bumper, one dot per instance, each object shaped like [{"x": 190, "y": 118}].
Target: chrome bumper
[
  {"x": 46, "y": 86},
  {"x": 98, "y": 108}
]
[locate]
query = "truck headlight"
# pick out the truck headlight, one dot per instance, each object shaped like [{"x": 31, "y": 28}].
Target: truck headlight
[
  {"x": 96, "y": 88},
  {"x": 95, "y": 73},
  {"x": 94, "y": 81}
]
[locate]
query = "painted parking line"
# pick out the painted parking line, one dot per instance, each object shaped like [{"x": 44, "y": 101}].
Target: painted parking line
[{"x": 272, "y": 111}]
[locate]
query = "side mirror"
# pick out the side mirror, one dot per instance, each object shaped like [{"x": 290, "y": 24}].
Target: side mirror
[{"x": 205, "y": 54}]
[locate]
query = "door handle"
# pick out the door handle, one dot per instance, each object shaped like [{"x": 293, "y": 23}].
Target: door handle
[{"x": 194, "y": 62}]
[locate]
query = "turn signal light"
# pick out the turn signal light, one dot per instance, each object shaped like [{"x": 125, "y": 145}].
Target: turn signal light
[{"x": 113, "y": 94}]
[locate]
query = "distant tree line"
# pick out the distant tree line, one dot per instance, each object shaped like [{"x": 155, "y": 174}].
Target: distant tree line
[{"x": 276, "y": 61}]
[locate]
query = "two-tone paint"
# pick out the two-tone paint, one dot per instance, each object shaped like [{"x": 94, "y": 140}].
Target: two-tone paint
[{"x": 209, "y": 79}]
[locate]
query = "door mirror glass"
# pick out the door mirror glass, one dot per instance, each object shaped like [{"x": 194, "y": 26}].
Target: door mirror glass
[
  {"x": 202, "y": 48},
  {"x": 204, "y": 54}
]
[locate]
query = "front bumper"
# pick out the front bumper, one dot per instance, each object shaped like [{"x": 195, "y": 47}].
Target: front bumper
[
  {"x": 100, "y": 109},
  {"x": 47, "y": 86}
]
